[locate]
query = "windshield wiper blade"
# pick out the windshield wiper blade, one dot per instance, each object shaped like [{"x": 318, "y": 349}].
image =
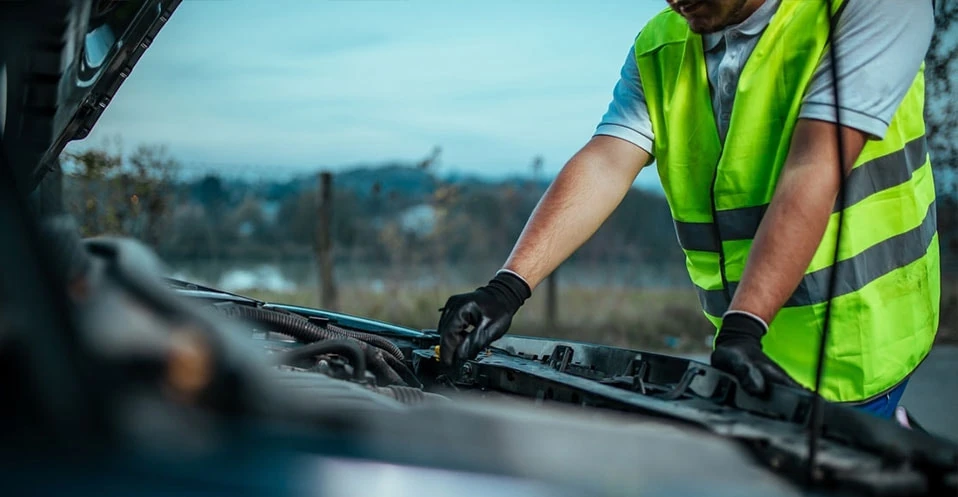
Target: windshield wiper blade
[{"x": 189, "y": 286}]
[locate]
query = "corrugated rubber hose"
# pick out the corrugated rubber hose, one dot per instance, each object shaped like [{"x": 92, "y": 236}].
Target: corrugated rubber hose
[
  {"x": 411, "y": 396},
  {"x": 308, "y": 331},
  {"x": 404, "y": 372},
  {"x": 302, "y": 330},
  {"x": 284, "y": 323},
  {"x": 370, "y": 339}
]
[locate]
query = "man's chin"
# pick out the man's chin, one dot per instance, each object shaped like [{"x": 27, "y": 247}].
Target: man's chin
[{"x": 703, "y": 28}]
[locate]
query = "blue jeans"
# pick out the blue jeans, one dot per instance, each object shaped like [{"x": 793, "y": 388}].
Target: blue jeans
[{"x": 884, "y": 406}]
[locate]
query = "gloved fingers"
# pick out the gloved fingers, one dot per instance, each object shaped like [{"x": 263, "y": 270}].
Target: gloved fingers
[
  {"x": 468, "y": 348},
  {"x": 450, "y": 335},
  {"x": 738, "y": 364},
  {"x": 448, "y": 313},
  {"x": 456, "y": 327},
  {"x": 448, "y": 343},
  {"x": 750, "y": 377},
  {"x": 484, "y": 334},
  {"x": 775, "y": 374}
]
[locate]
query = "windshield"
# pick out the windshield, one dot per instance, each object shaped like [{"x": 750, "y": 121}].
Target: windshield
[{"x": 376, "y": 158}]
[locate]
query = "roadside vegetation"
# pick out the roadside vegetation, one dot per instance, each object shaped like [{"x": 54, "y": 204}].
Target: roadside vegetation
[{"x": 424, "y": 237}]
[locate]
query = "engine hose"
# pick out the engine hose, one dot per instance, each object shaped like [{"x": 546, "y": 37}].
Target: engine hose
[
  {"x": 400, "y": 367},
  {"x": 378, "y": 365},
  {"x": 371, "y": 339},
  {"x": 410, "y": 396},
  {"x": 301, "y": 329},
  {"x": 287, "y": 324},
  {"x": 348, "y": 347}
]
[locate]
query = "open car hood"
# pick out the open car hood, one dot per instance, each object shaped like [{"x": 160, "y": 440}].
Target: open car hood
[
  {"x": 63, "y": 62},
  {"x": 858, "y": 454}
]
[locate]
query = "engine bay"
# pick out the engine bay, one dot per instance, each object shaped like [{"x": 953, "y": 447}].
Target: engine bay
[
  {"x": 399, "y": 368},
  {"x": 159, "y": 360}
]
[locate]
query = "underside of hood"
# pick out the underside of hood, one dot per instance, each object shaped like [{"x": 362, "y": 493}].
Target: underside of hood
[{"x": 61, "y": 63}]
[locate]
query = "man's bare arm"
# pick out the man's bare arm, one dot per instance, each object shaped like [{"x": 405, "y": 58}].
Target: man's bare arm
[
  {"x": 584, "y": 194},
  {"x": 796, "y": 218}
]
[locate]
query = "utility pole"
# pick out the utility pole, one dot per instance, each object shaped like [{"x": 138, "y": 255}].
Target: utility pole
[{"x": 324, "y": 242}]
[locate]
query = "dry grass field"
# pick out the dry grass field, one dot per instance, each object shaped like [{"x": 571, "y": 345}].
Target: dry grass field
[{"x": 647, "y": 319}]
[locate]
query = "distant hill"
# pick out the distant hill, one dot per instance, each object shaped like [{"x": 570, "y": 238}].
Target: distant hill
[
  {"x": 398, "y": 178},
  {"x": 362, "y": 180}
]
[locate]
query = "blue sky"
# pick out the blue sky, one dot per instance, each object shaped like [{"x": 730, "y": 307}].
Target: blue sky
[{"x": 289, "y": 85}]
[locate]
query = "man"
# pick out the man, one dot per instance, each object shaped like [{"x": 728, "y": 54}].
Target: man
[{"x": 734, "y": 100}]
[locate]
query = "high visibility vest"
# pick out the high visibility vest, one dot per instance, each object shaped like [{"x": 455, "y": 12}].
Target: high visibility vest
[{"x": 885, "y": 309}]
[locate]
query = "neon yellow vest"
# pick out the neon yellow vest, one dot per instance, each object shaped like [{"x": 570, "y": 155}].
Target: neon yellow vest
[{"x": 886, "y": 308}]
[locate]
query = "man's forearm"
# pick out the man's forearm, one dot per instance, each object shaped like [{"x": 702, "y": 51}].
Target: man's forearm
[
  {"x": 795, "y": 222},
  {"x": 786, "y": 242},
  {"x": 583, "y": 195}
]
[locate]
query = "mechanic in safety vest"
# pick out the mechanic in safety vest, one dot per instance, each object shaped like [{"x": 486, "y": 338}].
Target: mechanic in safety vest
[{"x": 734, "y": 100}]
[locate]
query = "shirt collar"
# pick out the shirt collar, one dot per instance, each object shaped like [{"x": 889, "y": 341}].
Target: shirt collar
[{"x": 751, "y": 26}]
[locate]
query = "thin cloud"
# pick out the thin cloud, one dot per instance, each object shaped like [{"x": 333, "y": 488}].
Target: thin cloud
[{"x": 340, "y": 83}]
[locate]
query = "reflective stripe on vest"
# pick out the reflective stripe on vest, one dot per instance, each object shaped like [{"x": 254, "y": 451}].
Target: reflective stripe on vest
[
  {"x": 884, "y": 311},
  {"x": 873, "y": 176}
]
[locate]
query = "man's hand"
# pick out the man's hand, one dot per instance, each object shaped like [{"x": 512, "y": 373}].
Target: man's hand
[
  {"x": 471, "y": 321},
  {"x": 738, "y": 351}
]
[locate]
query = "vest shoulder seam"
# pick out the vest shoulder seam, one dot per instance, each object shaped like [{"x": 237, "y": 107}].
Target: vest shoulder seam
[{"x": 666, "y": 28}]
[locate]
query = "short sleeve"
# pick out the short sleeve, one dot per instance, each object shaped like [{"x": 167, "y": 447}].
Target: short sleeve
[
  {"x": 881, "y": 45},
  {"x": 627, "y": 116}
]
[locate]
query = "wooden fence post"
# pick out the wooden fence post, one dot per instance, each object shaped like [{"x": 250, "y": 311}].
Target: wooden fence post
[
  {"x": 324, "y": 242},
  {"x": 552, "y": 300}
]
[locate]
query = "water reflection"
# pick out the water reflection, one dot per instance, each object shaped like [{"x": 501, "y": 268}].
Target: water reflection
[{"x": 290, "y": 276}]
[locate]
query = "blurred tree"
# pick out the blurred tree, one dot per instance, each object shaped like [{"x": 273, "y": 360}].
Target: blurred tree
[
  {"x": 150, "y": 188},
  {"x": 404, "y": 215},
  {"x": 537, "y": 162},
  {"x": 86, "y": 195},
  {"x": 296, "y": 219},
  {"x": 213, "y": 195},
  {"x": 431, "y": 161},
  {"x": 191, "y": 236},
  {"x": 249, "y": 222},
  {"x": 941, "y": 86},
  {"x": 111, "y": 194},
  {"x": 941, "y": 113}
]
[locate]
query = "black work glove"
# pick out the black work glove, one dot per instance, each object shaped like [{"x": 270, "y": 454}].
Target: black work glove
[
  {"x": 738, "y": 351},
  {"x": 471, "y": 321}
]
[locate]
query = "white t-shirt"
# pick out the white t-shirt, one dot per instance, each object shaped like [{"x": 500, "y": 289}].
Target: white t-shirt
[{"x": 881, "y": 44}]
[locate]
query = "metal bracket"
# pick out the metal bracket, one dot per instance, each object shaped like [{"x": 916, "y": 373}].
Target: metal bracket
[
  {"x": 637, "y": 376},
  {"x": 320, "y": 321},
  {"x": 683, "y": 385},
  {"x": 634, "y": 377},
  {"x": 561, "y": 356}
]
